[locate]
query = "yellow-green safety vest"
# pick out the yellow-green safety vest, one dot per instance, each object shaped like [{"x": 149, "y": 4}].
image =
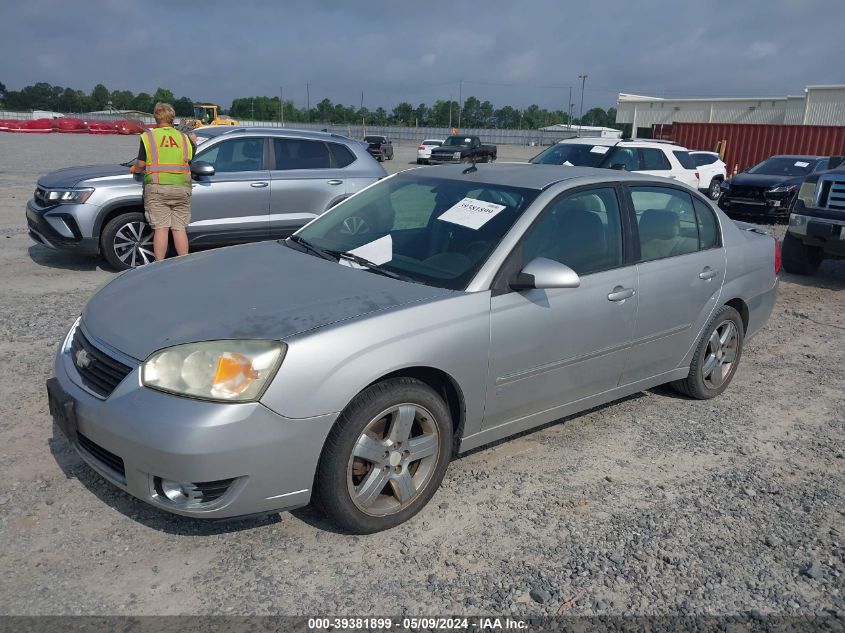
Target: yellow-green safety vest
[{"x": 168, "y": 153}]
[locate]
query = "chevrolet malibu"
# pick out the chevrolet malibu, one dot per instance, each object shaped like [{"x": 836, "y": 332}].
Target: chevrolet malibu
[{"x": 436, "y": 311}]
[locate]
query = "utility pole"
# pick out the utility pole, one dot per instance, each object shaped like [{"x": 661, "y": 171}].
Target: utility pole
[
  {"x": 252, "y": 103},
  {"x": 460, "y": 101},
  {"x": 569, "y": 112},
  {"x": 363, "y": 121},
  {"x": 308, "y": 99},
  {"x": 450, "y": 114},
  {"x": 583, "y": 79},
  {"x": 282, "y": 105}
]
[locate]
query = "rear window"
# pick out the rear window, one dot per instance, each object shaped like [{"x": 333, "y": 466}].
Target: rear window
[
  {"x": 685, "y": 159},
  {"x": 703, "y": 159},
  {"x": 341, "y": 154},
  {"x": 374, "y": 140}
]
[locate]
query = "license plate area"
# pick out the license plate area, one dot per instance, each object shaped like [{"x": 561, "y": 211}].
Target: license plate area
[{"x": 63, "y": 410}]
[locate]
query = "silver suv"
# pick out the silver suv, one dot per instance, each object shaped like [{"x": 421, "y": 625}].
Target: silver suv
[{"x": 249, "y": 184}]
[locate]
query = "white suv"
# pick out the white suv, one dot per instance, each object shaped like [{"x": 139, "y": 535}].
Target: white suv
[
  {"x": 656, "y": 158},
  {"x": 711, "y": 172}
]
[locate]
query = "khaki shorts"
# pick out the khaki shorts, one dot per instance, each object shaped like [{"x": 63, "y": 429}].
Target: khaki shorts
[{"x": 167, "y": 206}]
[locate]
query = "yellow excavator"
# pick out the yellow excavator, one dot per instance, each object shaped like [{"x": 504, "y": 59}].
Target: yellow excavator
[{"x": 205, "y": 114}]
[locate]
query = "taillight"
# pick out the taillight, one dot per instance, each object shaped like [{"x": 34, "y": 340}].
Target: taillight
[
  {"x": 777, "y": 257},
  {"x": 421, "y": 147}
]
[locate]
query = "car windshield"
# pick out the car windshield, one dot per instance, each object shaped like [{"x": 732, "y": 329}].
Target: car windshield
[
  {"x": 428, "y": 230},
  {"x": 784, "y": 166},
  {"x": 575, "y": 154},
  {"x": 457, "y": 141}
]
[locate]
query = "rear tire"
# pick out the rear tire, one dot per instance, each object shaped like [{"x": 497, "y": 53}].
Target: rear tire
[
  {"x": 127, "y": 241},
  {"x": 715, "y": 189},
  {"x": 367, "y": 479},
  {"x": 798, "y": 258},
  {"x": 716, "y": 357}
]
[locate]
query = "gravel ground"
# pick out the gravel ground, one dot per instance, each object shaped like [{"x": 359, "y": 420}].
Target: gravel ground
[{"x": 651, "y": 505}]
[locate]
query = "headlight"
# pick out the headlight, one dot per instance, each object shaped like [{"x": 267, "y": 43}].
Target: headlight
[
  {"x": 65, "y": 196},
  {"x": 783, "y": 189},
  {"x": 807, "y": 194},
  {"x": 456, "y": 155},
  {"x": 226, "y": 371}
]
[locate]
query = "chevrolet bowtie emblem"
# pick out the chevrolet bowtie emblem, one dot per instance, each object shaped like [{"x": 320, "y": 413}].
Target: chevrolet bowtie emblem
[{"x": 83, "y": 360}]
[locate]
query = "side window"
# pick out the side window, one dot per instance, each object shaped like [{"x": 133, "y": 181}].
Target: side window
[
  {"x": 294, "y": 153},
  {"x": 624, "y": 156},
  {"x": 703, "y": 159},
  {"x": 708, "y": 233},
  {"x": 341, "y": 154},
  {"x": 666, "y": 221},
  {"x": 237, "y": 154},
  {"x": 652, "y": 159},
  {"x": 582, "y": 230}
]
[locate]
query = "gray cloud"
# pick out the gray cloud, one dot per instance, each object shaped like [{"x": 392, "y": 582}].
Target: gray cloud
[{"x": 508, "y": 52}]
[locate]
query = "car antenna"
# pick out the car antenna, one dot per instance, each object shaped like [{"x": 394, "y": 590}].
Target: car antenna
[{"x": 471, "y": 168}]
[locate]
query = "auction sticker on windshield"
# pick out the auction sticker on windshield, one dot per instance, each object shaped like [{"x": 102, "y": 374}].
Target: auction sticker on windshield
[
  {"x": 599, "y": 149},
  {"x": 472, "y": 213}
]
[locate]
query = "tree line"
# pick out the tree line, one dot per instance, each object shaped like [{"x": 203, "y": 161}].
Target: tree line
[{"x": 473, "y": 113}]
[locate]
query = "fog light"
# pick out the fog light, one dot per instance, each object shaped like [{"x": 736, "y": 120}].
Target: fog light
[{"x": 177, "y": 492}]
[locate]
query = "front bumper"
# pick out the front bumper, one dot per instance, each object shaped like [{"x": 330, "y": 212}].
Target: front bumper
[
  {"x": 271, "y": 459},
  {"x": 58, "y": 227},
  {"x": 825, "y": 233},
  {"x": 776, "y": 206}
]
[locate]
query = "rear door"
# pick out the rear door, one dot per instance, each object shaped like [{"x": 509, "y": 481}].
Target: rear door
[
  {"x": 681, "y": 269},
  {"x": 304, "y": 182},
  {"x": 234, "y": 203},
  {"x": 685, "y": 168}
]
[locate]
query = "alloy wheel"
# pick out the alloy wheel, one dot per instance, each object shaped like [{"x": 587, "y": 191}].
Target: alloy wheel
[
  {"x": 715, "y": 190},
  {"x": 393, "y": 460},
  {"x": 720, "y": 355},
  {"x": 133, "y": 244}
]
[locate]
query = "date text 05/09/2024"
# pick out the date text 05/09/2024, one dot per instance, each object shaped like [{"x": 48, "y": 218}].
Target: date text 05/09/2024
[{"x": 415, "y": 624}]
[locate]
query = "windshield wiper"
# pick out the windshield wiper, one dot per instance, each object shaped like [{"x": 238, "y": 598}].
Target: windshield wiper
[
  {"x": 366, "y": 263},
  {"x": 310, "y": 247}
]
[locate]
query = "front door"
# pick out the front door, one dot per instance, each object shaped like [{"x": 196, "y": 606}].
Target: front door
[
  {"x": 232, "y": 205},
  {"x": 549, "y": 348},
  {"x": 681, "y": 271}
]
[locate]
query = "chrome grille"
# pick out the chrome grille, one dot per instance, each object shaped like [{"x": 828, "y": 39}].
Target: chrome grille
[
  {"x": 750, "y": 193},
  {"x": 99, "y": 372},
  {"x": 832, "y": 195}
]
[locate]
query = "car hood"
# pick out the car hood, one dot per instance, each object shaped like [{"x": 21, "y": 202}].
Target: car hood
[
  {"x": 764, "y": 181},
  {"x": 72, "y": 176},
  {"x": 256, "y": 291}
]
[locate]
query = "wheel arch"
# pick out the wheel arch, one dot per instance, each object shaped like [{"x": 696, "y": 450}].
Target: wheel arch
[
  {"x": 114, "y": 210},
  {"x": 445, "y": 385},
  {"x": 740, "y": 306}
]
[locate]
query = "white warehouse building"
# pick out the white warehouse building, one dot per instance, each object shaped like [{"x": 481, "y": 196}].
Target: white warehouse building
[{"x": 819, "y": 105}]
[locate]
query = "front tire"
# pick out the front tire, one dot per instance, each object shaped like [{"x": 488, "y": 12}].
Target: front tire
[
  {"x": 716, "y": 356},
  {"x": 127, "y": 241},
  {"x": 385, "y": 457},
  {"x": 798, "y": 258}
]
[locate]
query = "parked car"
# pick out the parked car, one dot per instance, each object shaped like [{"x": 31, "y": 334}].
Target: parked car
[
  {"x": 380, "y": 147},
  {"x": 769, "y": 187},
  {"x": 255, "y": 183},
  {"x": 816, "y": 228},
  {"x": 430, "y": 314},
  {"x": 463, "y": 149},
  {"x": 712, "y": 172},
  {"x": 656, "y": 158},
  {"x": 424, "y": 150}
]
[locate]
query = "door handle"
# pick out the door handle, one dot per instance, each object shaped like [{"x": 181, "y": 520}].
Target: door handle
[
  {"x": 620, "y": 294},
  {"x": 334, "y": 182},
  {"x": 708, "y": 273},
  {"x": 258, "y": 185}
]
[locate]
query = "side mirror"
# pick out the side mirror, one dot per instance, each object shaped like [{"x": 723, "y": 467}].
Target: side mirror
[
  {"x": 618, "y": 166},
  {"x": 543, "y": 273},
  {"x": 201, "y": 168}
]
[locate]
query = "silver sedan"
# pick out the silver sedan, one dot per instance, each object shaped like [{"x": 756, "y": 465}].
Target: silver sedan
[{"x": 436, "y": 311}]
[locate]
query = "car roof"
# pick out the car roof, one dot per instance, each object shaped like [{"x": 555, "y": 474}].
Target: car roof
[
  {"x": 214, "y": 131},
  {"x": 524, "y": 175},
  {"x": 797, "y": 157},
  {"x": 589, "y": 140}
]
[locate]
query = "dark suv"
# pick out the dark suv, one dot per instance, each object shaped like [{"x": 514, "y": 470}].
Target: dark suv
[{"x": 380, "y": 147}]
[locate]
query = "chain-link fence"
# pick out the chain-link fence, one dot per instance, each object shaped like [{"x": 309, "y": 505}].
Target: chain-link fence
[{"x": 416, "y": 134}]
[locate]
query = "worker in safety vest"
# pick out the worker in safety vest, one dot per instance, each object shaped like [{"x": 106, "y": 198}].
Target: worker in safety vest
[{"x": 164, "y": 158}]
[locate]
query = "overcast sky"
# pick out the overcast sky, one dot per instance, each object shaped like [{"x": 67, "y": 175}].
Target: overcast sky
[{"x": 509, "y": 52}]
